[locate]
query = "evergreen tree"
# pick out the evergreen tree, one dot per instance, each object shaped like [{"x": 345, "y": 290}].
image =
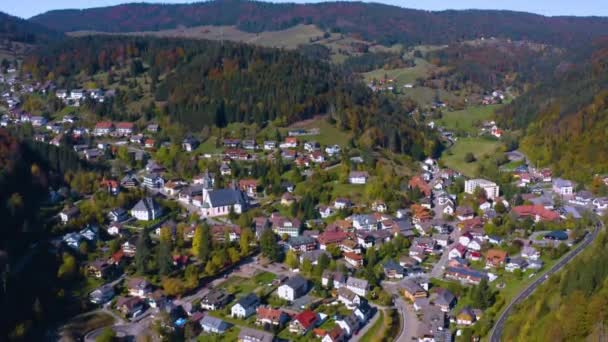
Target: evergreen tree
[
  {"x": 291, "y": 259},
  {"x": 142, "y": 253},
  {"x": 163, "y": 258},
  {"x": 201, "y": 243},
  {"x": 269, "y": 245},
  {"x": 245, "y": 241}
]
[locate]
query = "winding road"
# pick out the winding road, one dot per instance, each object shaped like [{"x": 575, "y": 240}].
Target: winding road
[{"x": 496, "y": 332}]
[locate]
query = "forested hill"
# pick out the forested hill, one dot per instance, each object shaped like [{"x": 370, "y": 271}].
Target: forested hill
[
  {"x": 371, "y": 21},
  {"x": 19, "y": 30},
  {"x": 566, "y": 117},
  {"x": 205, "y": 83},
  {"x": 571, "y": 306}
]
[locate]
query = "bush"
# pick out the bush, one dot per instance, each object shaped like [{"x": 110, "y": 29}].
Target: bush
[{"x": 469, "y": 157}]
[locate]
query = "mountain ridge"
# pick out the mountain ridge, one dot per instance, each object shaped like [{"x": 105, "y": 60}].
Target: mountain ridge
[{"x": 386, "y": 24}]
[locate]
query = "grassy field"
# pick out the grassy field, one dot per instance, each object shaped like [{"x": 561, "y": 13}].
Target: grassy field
[
  {"x": 402, "y": 75},
  {"x": 375, "y": 332},
  {"x": 468, "y": 120},
  {"x": 328, "y": 133},
  {"x": 480, "y": 147},
  {"x": 426, "y": 96},
  {"x": 230, "y": 335}
]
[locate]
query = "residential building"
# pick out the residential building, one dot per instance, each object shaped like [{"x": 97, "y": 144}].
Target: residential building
[
  {"x": 358, "y": 286},
  {"x": 294, "y": 288},
  {"x": 358, "y": 177},
  {"x": 444, "y": 299},
  {"x": 102, "y": 294},
  {"x": 495, "y": 258},
  {"x": 348, "y": 298},
  {"x": 214, "y": 325},
  {"x": 563, "y": 187},
  {"x": 393, "y": 270},
  {"x": 103, "y": 128},
  {"x": 302, "y": 243},
  {"x": 270, "y": 316},
  {"x": 254, "y": 335},
  {"x": 412, "y": 290},
  {"x": 68, "y": 214},
  {"x": 303, "y": 322},
  {"x": 491, "y": 189},
  {"x": 353, "y": 259},
  {"x": 125, "y": 128},
  {"x": 245, "y": 306},
  {"x": 215, "y": 300},
  {"x": 337, "y": 278},
  {"x": 138, "y": 287},
  {"x": 147, "y": 209}
]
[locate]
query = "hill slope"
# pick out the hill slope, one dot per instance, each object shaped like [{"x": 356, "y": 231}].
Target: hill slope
[
  {"x": 375, "y": 22},
  {"x": 565, "y": 117},
  {"x": 19, "y": 30},
  {"x": 203, "y": 83}
]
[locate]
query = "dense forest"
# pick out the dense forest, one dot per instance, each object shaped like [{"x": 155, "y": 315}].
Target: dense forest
[
  {"x": 206, "y": 83},
  {"x": 571, "y": 306},
  {"x": 495, "y": 63},
  {"x": 27, "y": 170},
  {"x": 374, "y": 22},
  {"x": 19, "y": 30},
  {"x": 565, "y": 117}
]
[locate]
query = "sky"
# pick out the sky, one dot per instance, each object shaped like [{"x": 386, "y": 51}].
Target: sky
[{"x": 29, "y": 8}]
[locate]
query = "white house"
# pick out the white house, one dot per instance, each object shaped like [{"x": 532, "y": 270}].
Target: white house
[
  {"x": 146, "y": 210},
  {"x": 293, "y": 288},
  {"x": 358, "y": 286},
  {"x": 562, "y": 187},
  {"x": 358, "y": 177},
  {"x": 530, "y": 253},
  {"x": 245, "y": 307},
  {"x": 214, "y": 325}
]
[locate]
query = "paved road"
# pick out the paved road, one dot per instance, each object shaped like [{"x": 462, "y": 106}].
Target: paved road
[
  {"x": 499, "y": 326},
  {"x": 409, "y": 320}
]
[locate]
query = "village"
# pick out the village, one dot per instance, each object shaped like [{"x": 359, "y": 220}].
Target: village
[{"x": 279, "y": 265}]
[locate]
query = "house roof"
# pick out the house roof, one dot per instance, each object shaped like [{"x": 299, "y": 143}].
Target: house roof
[
  {"x": 358, "y": 174},
  {"x": 443, "y": 297},
  {"x": 266, "y": 312},
  {"x": 137, "y": 283},
  {"x": 226, "y": 197},
  {"x": 213, "y": 322},
  {"x": 411, "y": 286},
  {"x": 296, "y": 282},
  {"x": 353, "y": 256},
  {"x": 125, "y": 125},
  {"x": 536, "y": 210},
  {"x": 146, "y": 204},
  {"x": 357, "y": 283},
  {"x": 254, "y": 335},
  {"x": 393, "y": 266},
  {"x": 306, "y": 318},
  {"x": 328, "y": 237},
  {"x": 346, "y": 293},
  {"x": 496, "y": 255},
  {"x": 248, "y": 300},
  {"x": 104, "y": 125},
  {"x": 301, "y": 240}
]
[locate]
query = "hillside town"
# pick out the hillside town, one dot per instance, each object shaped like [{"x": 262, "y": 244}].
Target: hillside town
[{"x": 242, "y": 253}]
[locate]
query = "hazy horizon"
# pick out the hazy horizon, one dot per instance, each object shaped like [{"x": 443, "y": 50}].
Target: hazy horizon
[{"x": 29, "y": 8}]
